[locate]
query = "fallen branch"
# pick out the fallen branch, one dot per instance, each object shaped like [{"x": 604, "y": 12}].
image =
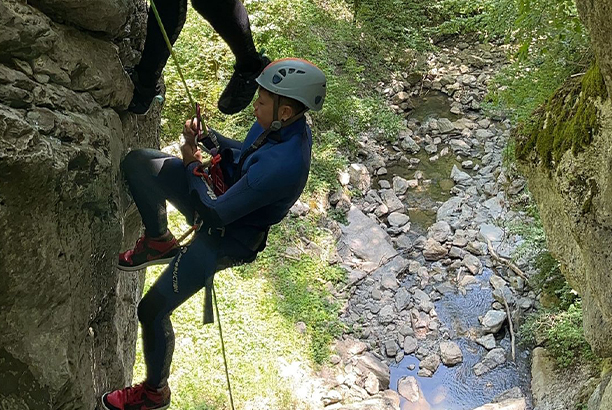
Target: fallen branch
[
  {"x": 505, "y": 261},
  {"x": 511, "y": 328}
]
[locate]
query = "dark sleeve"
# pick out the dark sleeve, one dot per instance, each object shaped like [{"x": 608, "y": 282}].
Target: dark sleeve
[
  {"x": 225, "y": 142},
  {"x": 241, "y": 199}
]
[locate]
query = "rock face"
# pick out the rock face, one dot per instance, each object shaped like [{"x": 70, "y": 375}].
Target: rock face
[
  {"x": 549, "y": 384},
  {"x": 573, "y": 188},
  {"x": 67, "y": 316}
]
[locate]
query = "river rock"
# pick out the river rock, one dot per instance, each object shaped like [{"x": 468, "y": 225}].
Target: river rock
[
  {"x": 508, "y": 404},
  {"x": 493, "y": 359},
  {"x": 456, "y": 253},
  {"x": 467, "y": 164},
  {"x": 391, "y": 200},
  {"x": 409, "y": 389},
  {"x": 495, "y": 206},
  {"x": 388, "y": 281},
  {"x": 440, "y": 231},
  {"x": 459, "y": 176},
  {"x": 400, "y": 97},
  {"x": 359, "y": 177},
  {"x": 483, "y": 134},
  {"x": 398, "y": 219},
  {"x": 402, "y": 299},
  {"x": 434, "y": 250},
  {"x": 450, "y": 353},
  {"x": 369, "y": 362},
  {"x": 350, "y": 347},
  {"x": 331, "y": 397},
  {"x": 386, "y": 314},
  {"x": 409, "y": 145},
  {"x": 400, "y": 185},
  {"x": 371, "y": 384},
  {"x": 497, "y": 282},
  {"x": 449, "y": 208},
  {"x": 493, "y": 321},
  {"x": 472, "y": 263},
  {"x": 445, "y": 125},
  {"x": 429, "y": 365},
  {"x": 374, "y": 403},
  {"x": 366, "y": 240},
  {"x": 391, "y": 348},
  {"x": 491, "y": 232},
  {"x": 410, "y": 345},
  {"x": 458, "y": 145},
  {"x": 487, "y": 341}
]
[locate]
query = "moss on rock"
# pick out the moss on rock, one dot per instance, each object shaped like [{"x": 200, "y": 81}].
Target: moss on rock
[{"x": 568, "y": 120}]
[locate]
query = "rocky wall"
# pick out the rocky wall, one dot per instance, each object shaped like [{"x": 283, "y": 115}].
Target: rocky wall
[
  {"x": 67, "y": 316},
  {"x": 573, "y": 190}
]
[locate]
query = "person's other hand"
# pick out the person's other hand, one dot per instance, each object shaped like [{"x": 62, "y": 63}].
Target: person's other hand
[{"x": 190, "y": 153}]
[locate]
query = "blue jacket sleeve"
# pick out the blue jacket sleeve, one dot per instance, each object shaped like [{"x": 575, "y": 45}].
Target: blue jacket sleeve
[
  {"x": 225, "y": 142},
  {"x": 239, "y": 200}
]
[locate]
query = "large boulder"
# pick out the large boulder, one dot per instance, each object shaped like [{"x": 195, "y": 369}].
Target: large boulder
[{"x": 67, "y": 316}]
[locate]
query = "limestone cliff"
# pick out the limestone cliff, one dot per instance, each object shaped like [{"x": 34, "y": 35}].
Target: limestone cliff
[
  {"x": 566, "y": 153},
  {"x": 67, "y": 316}
]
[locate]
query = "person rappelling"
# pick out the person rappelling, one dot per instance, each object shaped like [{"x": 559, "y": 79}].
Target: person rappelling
[{"x": 233, "y": 200}]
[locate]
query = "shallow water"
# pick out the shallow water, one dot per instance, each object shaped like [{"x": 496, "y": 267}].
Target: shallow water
[
  {"x": 457, "y": 387},
  {"x": 433, "y": 104},
  {"x": 423, "y": 200}
]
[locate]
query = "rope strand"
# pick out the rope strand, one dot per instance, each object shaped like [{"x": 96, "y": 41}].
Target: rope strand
[
  {"x": 229, "y": 387},
  {"x": 173, "y": 55}
]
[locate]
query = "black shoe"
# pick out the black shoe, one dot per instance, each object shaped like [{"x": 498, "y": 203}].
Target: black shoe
[
  {"x": 143, "y": 96},
  {"x": 241, "y": 88}
]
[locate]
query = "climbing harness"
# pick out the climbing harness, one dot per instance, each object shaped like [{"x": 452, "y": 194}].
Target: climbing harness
[{"x": 216, "y": 170}]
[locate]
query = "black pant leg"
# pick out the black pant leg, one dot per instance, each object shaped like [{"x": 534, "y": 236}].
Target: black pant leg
[
  {"x": 229, "y": 18},
  {"x": 154, "y": 177},
  {"x": 173, "y": 14}
]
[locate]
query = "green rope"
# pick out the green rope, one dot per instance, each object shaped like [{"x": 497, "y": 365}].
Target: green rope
[
  {"x": 229, "y": 387},
  {"x": 174, "y": 59}
]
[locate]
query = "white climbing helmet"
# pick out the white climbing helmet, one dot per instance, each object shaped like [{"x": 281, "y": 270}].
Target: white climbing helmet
[{"x": 295, "y": 78}]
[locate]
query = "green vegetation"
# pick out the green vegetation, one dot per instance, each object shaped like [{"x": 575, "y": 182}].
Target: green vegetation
[
  {"x": 567, "y": 121},
  {"x": 561, "y": 333},
  {"x": 549, "y": 44}
]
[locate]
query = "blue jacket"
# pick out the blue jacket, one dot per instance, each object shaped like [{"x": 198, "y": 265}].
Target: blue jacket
[{"x": 273, "y": 178}]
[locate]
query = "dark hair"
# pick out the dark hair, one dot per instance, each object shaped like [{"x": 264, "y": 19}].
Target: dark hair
[{"x": 295, "y": 105}]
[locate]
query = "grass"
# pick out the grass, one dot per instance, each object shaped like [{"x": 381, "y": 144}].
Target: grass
[{"x": 562, "y": 335}]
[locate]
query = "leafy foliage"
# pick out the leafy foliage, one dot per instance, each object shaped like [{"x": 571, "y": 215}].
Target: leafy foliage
[
  {"x": 562, "y": 334},
  {"x": 550, "y": 43}
]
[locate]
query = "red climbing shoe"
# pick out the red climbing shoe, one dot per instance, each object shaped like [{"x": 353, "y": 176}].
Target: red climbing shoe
[
  {"x": 138, "y": 397},
  {"x": 149, "y": 252}
]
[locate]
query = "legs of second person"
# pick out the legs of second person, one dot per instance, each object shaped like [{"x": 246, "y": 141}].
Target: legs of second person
[
  {"x": 154, "y": 177},
  {"x": 229, "y": 18},
  {"x": 155, "y": 54},
  {"x": 180, "y": 280}
]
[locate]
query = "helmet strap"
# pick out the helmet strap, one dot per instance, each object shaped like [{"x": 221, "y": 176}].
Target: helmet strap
[{"x": 278, "y": 124}]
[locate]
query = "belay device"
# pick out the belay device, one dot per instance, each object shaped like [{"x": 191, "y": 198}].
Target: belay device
[{"x": 211, "y": 172}]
